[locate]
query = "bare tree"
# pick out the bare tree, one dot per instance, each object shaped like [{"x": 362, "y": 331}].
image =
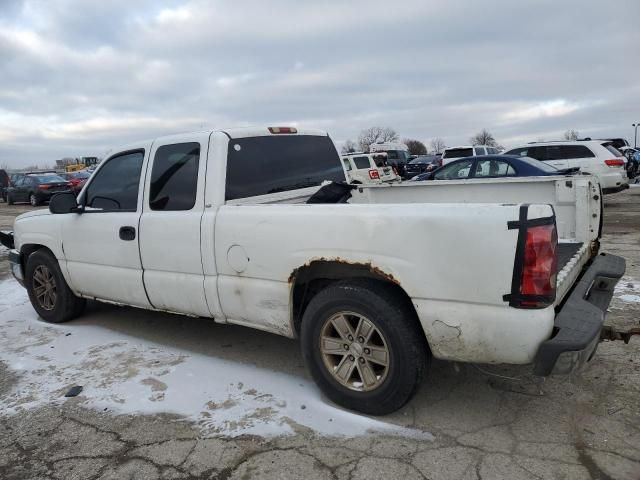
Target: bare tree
[
  {"x": 4, "y": 166},
  {"x": 376, "y": 135},
  {"x": 416, "y": 147},
  {"x": 349, "y": 147},
  {"x": 437, "y": 145},
  {"x": 484, "y": 137},
  {"x": 571, "y": 134}
]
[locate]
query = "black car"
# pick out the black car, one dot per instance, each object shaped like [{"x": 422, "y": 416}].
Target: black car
[
  {"x": 494, "y": 166},
  {"x": 422, "y": 164},
  {"x": 36, "y": 188}
]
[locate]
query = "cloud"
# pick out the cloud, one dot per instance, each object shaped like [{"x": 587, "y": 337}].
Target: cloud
[{"x": 80, "y": 77}]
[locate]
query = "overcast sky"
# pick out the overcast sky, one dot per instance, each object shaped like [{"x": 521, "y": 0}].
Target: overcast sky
[{"x": 79, "y": 77}]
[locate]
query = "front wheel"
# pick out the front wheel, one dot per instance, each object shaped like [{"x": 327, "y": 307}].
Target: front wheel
[
  {"x": 48, "y": 291},
  {"x": 364, "y": 347}
]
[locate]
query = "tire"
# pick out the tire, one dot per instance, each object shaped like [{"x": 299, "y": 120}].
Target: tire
[
  {"x": 398, "y": 331},
  {"x": 63, "y": 305},
  {"x": 33, "y": 200},
  {"x": 9, "y": 199}
]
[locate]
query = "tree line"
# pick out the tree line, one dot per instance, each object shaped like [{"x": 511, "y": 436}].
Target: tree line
[{"x": 372, "y": 135}]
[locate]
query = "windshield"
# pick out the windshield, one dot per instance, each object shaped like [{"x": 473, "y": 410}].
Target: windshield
[
  {"x": 49, "y": 179},
  {"x": 458, "y": 153},
  {"x": 80, "y": 175}
]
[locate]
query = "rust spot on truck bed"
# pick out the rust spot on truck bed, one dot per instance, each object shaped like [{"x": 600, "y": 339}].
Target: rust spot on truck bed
[{"x": 368, "y": 265}]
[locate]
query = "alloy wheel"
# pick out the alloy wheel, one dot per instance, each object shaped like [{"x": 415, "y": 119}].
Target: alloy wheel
[
  {"x": 44, "y": 287},
  {"x": 354, "y": 351}
]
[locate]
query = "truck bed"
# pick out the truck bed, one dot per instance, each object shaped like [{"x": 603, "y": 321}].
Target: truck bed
[{"x": 566, "y": 251}]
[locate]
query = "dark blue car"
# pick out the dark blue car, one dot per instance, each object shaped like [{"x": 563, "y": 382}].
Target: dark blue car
[{"x": 493, "y": 166}]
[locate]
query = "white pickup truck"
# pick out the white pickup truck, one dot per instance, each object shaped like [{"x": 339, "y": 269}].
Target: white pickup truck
[{"x": 218, "y": 225}]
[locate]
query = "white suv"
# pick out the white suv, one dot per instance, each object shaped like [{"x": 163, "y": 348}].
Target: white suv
[
  {"x": 454, "y": 153},
  {"x": 596, "y": 157},
  {"x": 368, "y": 168}
]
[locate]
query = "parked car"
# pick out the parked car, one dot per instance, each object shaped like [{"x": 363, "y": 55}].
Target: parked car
[
  {"x": 422, "y": 164},
  {"x": 454, "y": 153},
  {"x": 76, "y": 179},
  {"x": 173, "y": 224},
  {"x": 397, "y": 154},
  {"x": 4, "y": 184},
  {"x": 36, "y": 188},
  {"x": 362, "y": 168},
  {"x": 493, "y": 166},
  {"x": 597, "y": 157}
]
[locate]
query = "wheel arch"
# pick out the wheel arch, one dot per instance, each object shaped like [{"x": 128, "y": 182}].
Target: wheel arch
[{"x": 308, "y": 280}]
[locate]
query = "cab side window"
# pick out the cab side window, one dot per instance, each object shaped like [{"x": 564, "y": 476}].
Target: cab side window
[
  {"x": 115, "y": 186},
  {"x": 174, "y": 177}
]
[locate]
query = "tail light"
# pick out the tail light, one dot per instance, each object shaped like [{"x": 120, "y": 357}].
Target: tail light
[
  {"x": 276, "y": 130},
  {"x": 616, "y": 162},
  {"x": 540, "y": 265},
  {"x": 43, "y": 187},
  {"x": 374, "y": 174}
]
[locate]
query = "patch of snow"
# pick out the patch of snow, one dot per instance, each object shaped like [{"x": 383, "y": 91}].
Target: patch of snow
[
  {"x": 129, "y": 375},
  {"x": 11, "y": 294},
  {"x": 628, "y": 290}
]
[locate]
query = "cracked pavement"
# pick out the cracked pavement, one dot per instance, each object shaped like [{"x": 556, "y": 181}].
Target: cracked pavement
[{"x": 487, "y": 422}]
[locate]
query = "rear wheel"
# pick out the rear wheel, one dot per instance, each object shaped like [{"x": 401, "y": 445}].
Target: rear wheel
[
  {"x": 33, "y": 200},
  {"x": 9, "y": 199},
  {"x": 363, "y": 346},
  {"x": 48, "y": 291}
]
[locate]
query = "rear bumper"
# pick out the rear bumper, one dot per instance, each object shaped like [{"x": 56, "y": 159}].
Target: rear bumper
[
  {"x": 616, "y": 189},
  {"x": 579, "y": 321},
  {"x": 15, "y": 262}
]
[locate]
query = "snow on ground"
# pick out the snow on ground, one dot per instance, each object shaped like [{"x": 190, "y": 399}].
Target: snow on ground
[
  {"x": 126, "y": 374},
  {"x": 628, "y": 290}
]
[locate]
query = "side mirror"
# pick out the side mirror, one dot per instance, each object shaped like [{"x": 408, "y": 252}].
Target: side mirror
[{"x": 64, "y": 203}]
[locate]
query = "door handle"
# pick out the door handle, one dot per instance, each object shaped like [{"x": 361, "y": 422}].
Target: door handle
[{"x": 127, "y": 233}]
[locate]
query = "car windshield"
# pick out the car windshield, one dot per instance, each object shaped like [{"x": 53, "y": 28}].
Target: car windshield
[
  {"x": 538, "y": 164},
  {"x": 81, "y": 175},
  {"x": 49, "y": 178},
  {"x": 458, "y": 153}
]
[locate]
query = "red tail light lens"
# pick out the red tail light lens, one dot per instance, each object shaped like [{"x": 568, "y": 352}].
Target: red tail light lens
[
  {"x": 616, "y": 162},
  {"x": 540, "y": 266},
  {"x": 43, "y": 187},
  {"x": 374, "y": 175},
  {"x": 276, "y": 130}
]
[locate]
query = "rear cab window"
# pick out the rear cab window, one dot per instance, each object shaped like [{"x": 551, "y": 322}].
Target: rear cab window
[{"x": 278, "y": 163}]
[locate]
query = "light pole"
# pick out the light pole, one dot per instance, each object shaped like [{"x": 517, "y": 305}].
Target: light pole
[{"x": 635, "y": 134}]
